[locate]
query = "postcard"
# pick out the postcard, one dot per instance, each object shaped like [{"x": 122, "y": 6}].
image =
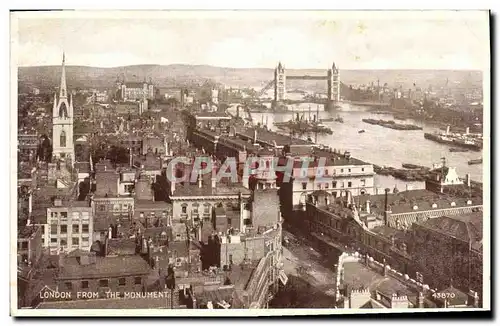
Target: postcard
[{"x": 250, "y": 163}]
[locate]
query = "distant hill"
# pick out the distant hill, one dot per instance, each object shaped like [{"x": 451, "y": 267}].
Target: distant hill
[{"x": 174, "y": 75}]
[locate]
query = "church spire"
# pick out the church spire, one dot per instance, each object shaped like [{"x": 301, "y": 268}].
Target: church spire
[{"x": 62, "y": 89}]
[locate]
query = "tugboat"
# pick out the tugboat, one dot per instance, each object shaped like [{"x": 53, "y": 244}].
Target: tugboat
[
  {"x": 478, "y": 161},
  {"x": 339, "y": 119},
  {"x": 361, "y": 131},
  {"x": 459, "y": 150}
]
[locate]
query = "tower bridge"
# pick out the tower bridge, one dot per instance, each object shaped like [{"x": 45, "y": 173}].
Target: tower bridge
[{"x": 279, "y": 83}]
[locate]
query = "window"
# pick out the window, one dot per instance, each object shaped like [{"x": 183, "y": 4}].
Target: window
[
  {"x": 53, "y": 229},
  {"x": 348, "y": 170},
  {"x": 326, "y": 171},
  {"x": 122, "y": 281},
  {"x": 68, "y": 285},
  {"x": 334, "y": 184},
  {"x": 76, "y": 228},
  {"x": 327, "y": 185},
  {"x": 184, "y": 209},
  {"x": 62, "y": 137},
  {"x": 362, "y": 182},
  {"x": 334, "y": 194},
  {"x": 85, "y": 215},
  {"x": 85, "y": 241},
  {"x": 85, "y": 228},
  {"x": 342, "y": 185},
  {"x": 53, "y": 240},
  {"x": 102, "y": 208},
  {"x": 64, "y": 229},
  {"x": 349, "y": 184},
  {"x": 85, "y": 284},
  {"x": 103, "y": 283},
  {"x": 206, "y": 209},
  {"x": 341, "y": 170},
  {"x": 64, "y": 215},
  {"x": 304, "y": 186},
  {"x": 64, "y": 242},
  {"x": 362, "y": 169},
  {"x": 23, "y": 245},
  {"x": 137, "y": 280},
  {"x": 75, "y": 241},
  {"x": 75, "y": 216}
]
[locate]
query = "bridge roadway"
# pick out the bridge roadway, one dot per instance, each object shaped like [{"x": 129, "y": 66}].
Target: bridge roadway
[{"x": 306, "y": 77}]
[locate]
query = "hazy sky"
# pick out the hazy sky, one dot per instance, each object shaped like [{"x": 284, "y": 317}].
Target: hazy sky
[{"x": 372, "y": 40}]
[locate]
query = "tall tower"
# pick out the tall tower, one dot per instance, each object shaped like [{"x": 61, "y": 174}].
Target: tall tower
[
  {"x": 62, "y": 122},
  {"x": 279, "y": 83},
  {"x": 334, "y": 84}
]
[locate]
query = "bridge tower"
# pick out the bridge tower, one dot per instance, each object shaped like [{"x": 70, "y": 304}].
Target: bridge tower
[
  {"x": 279, "y": 84},
  {"x": 333, "y": 85}
]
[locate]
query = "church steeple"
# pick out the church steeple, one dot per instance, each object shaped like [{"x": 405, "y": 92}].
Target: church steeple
[
  {"x": 62, "y": 90},
  {"x": 62, "y": 121}
]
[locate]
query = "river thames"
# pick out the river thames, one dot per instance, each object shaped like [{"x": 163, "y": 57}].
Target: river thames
[{"x": 379, "y": 145}]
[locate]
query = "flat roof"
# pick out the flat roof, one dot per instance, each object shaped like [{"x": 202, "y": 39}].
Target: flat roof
[
  {"x": 104, "y": 267},
  {"x": 269, "y": 137}
]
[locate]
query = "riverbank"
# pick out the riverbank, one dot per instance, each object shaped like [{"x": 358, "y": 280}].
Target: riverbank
[{"x": 383, "y": 146}]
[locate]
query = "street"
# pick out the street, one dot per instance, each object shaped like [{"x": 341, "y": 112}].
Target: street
[{"x": 311, "y": 277}]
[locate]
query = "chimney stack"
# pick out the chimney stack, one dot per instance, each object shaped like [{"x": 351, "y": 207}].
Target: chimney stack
[
  {"x": 200, "y": 181},
  {"x": 467, "y": 178},
  {"x": 467, "y": 130},
  {"x": 172, "y": 187},
  {"x": 386, "y": 205},
  {"x": 368, "y": 206},
  {"x": 30, "y": 203},
  {"x": 255, "y": 136},
  {"x": 214, "y": 182},
  {"x": 473, "y": 299},
  {"x": 447, "y": 130},
  {"x": 349, "y": 198},
  {"x": 421, "y": 300},
  {"x": 110, "y": 232}
]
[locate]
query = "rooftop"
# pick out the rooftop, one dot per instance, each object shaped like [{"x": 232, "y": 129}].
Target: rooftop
[
  {"x": 119, "y": 303},
  {"x": 221, "y": 189},
  {"x": 270, "y": 137},
  {"x": 359, "y": 276},
  {"x": 467, "y": 227},
  {"x": 405, "y": 201},
  {"x": 104, "y": 267},
  {"x": 216, "y": 114}
]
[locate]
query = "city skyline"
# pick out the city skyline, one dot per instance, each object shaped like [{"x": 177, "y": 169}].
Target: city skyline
[{"x": 454, "y": 41}]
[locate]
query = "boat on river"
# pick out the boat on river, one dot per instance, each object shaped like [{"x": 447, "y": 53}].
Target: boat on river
[
  {"x": 413, "y": 166},
  {"x": 477, "y": 161},
  {"x": 458, "y": 150},
  {"x": 361, "y": 131}
]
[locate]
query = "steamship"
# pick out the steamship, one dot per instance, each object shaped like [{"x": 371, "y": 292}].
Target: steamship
[{"x": 450, "y": 140}]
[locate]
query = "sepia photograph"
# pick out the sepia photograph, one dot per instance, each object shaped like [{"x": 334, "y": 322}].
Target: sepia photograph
[{"x": 249, "y": 163}]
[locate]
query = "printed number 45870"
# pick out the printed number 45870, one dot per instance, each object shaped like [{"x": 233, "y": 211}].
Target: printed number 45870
[{"x": 443, "y": 295}]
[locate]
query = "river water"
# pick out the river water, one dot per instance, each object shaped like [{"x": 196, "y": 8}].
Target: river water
[{"x": 379, "y": 145}]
